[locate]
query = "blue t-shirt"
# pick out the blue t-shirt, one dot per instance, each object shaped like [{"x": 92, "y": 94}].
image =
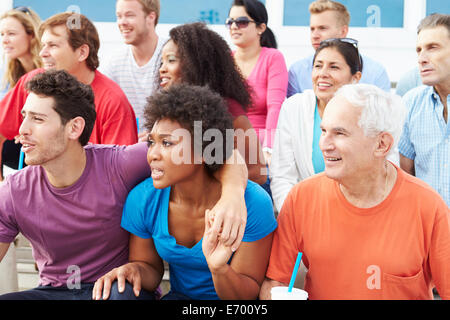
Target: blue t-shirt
[
  {"x": 145, "y": 214},
  {"x": 317, "y": 156}
]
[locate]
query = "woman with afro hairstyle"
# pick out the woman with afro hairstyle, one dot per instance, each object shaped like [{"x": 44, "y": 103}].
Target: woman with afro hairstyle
[
  {"x": 168, "y": 214},
  {"x": 196, "y": 55}
]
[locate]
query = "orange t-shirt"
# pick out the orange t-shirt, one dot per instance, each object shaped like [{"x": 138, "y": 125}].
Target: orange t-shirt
[{"x": 395, "y": 250}]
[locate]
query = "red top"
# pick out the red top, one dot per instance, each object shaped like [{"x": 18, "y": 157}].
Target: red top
[{"x": 115, "y": 123}]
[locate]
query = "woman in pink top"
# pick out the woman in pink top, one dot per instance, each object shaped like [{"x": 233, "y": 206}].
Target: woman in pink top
[{"x": 261, "y": 64}]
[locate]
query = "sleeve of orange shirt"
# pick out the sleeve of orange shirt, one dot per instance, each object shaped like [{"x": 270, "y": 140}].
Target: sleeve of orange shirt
[
  {"x": 439, "y": 255},
  {"x": 11, "y": 108},
  {"x": 286, "y": 242}
]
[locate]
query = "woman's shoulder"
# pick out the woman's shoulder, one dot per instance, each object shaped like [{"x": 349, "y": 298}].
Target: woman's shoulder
[
  {"x": 300, "y": 100},
  {"x": 272, "y": 52},
  {"x": 254, "y": 193}
]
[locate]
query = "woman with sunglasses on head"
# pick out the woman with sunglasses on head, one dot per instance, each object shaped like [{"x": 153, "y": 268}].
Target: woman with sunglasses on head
[
  {"x": 261, "y": 64},
  {"x": 196, "y": 55},
  {"x": 296, "y": 153},
  {"x": 21, "y": 46}
]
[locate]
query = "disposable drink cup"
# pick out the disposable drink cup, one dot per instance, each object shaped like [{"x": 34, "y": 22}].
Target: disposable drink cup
[{"x": 281, "y": 293}]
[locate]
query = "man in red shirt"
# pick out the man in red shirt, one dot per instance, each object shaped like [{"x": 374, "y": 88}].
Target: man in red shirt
[{"x": 70, "y": 42}]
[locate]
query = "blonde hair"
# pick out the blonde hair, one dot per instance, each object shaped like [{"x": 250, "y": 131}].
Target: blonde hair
[
  {"x": 30, "y": 21},
  {"x": 342, "y": 14},
  {"x": 150, "y": 6}
]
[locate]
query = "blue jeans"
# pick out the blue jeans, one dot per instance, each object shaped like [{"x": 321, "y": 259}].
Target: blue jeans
[
  {"x": 175, "y": 296},
  {"x": 266, "y": 185},
  {"x": 84, "y": 293}
]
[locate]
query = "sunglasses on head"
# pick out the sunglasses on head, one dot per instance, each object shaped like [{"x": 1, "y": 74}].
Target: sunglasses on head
[
  {"x": 241, "y": 22},
  {"x": 22, "y": 9},
  {"x": 351, "y": 41}
]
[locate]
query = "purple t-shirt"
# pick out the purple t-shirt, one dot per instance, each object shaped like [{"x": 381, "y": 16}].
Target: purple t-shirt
[{"x": 74, "y": 231}]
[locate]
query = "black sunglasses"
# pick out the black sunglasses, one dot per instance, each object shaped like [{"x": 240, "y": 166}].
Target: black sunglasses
[
  {"x": 23, "y": 9},
  {"x": 351, "y": 41},
  {"x": 241, "y": 22}
]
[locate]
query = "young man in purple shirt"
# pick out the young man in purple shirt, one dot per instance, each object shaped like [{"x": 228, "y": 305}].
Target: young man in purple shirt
[{"x": 68, "y": 202}]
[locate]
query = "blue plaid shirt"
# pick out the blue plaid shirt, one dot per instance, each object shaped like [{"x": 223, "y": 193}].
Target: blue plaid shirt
[{"x": 426, "y": 138}]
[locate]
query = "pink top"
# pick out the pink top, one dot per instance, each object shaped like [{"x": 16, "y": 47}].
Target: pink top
[{"x": 268, "y": 80}]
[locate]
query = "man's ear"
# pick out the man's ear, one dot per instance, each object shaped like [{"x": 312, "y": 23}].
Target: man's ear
[
  {"x": 83, "y": 52},
  {"x": 385, "y": 142},
  {"x": 151, "y": 18},
  {"x": 75, "y": 128},
  {"x": 344, "y": 31}
]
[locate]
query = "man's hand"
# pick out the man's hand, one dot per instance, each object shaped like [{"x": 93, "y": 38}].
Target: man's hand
[
  {"x": 128, "y": 272},
  {"x": 216, "y": 252}
]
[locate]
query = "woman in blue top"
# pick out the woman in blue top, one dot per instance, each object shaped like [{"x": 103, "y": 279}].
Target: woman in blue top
[{"x": 167, "y": 214}]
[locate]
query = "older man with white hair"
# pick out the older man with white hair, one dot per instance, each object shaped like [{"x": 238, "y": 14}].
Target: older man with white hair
[{"x": 367, "y": 230}]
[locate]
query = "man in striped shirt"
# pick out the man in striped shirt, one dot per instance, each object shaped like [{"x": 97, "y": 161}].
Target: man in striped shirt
[
  {"x": 135, "y": 67},
  {"x": 425, "y": 143}
]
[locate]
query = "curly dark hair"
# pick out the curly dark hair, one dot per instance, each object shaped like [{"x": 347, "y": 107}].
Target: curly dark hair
[
  {"x": 72, "y": 98},
  {"x": 206, "y": 59},
  {"x": 188, "y": 105}
]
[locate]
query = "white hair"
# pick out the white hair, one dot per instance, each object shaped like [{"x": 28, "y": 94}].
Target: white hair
[{"x": 381, "y": 111}]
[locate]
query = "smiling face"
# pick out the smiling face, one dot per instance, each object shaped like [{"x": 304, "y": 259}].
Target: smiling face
[
  {"x": 169, "y": 72},
  {"x": 347, "y": 152},
  {"x": 15, "y": 40},
  {"x": 170, "y": 154},
  {"x": 56, "y": 51},
  {"x": 330, "y": 72},
  {"x": 245, "y": 36},
  {"x": 134, "y": 24},
  {"x": 42, "y": 134},
  {"x": 433, "y": 49}
]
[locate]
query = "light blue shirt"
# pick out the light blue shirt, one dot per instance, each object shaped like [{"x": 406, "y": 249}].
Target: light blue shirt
[
  {"x": 145, "y": 214},
  {"x": 426, "y": 138},
  {"x": 301, "y": 71}
]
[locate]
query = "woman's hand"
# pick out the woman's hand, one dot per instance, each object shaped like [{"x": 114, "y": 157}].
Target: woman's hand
[
  {"x": 128, "y": 272},
  {"x": 216, "y": 252}
]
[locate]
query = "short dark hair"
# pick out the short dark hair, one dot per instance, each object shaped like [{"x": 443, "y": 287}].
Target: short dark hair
[
  {"x": 347, "y": 50},
  {"x": 435, "y": 20},
  {"x": 186, "y": 104},
  {"x": 72, "y": 98},
  {"x": 257, "y": 11}
]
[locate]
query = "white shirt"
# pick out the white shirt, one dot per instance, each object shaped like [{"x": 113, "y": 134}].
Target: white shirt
[{"x": 292, "y": 149}]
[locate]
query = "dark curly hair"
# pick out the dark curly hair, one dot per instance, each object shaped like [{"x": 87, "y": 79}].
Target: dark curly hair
[
  {"x": 188, "y": 105},
  {"x": 206, "y": 60},
  {"x": 72, "y": 98}
]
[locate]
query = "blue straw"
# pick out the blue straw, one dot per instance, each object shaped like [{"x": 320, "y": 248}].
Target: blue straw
[
  {"x": 137, "y": 123},
  {"x": 294, "y": 272},
  {"x": 21, "y": 159}
]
